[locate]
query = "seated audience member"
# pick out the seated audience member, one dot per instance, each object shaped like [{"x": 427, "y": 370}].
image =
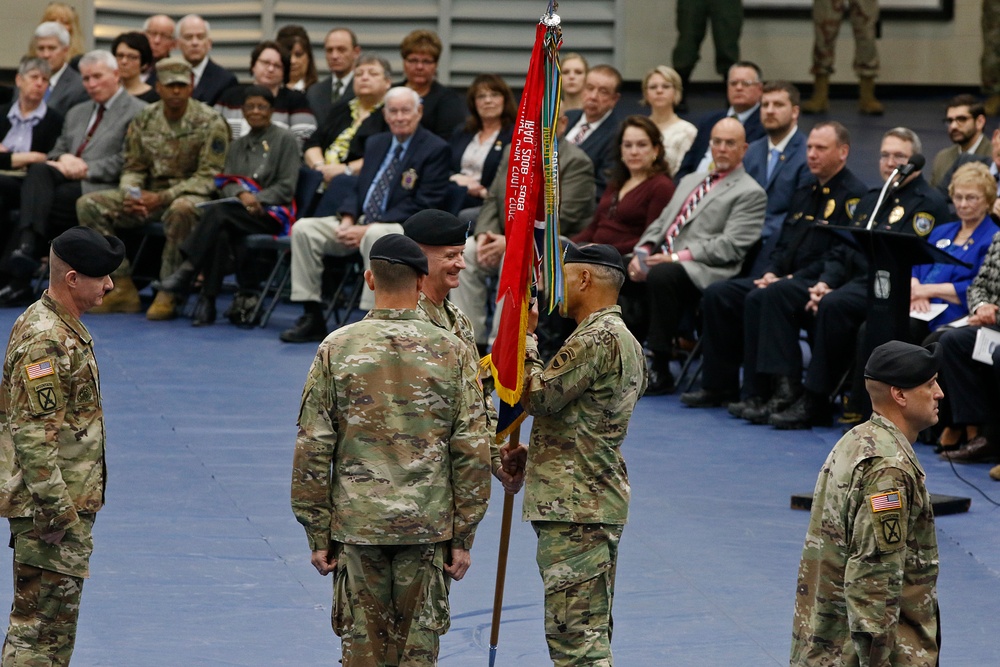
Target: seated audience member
[
  {"x": 973, "y": 387},
  {"x": 662, "y": 92},
  {"x": 337, "y": 147},
  {"x": 700, "y": 238},
  {"x": 777, "y": 162},
  {"x": 405, "y": 170},
  {"x": 261, "y": 171},
  {"x": 743, "y": 90},
  {"x": 302, "y": 66},
  {"x": 173, "y": 150},
  {"x": 485, "y": 247},
  {"x": 269, "y": 64},
  {"x": 342, "y": 50},
  {"x": 443, "y": 109},
  {"x": 731, "y": 323},
  {"x": 160, "y": 31},
  {"x": 28, "y": 130},
  {"x": 594, "y": 126},
  {"x": 837, "y": 301},
  {"x": 476, "y": 148},
  {"x": 195, "y": 41},
  {"x": 85, "y": 158},
  {"x": 573, "y": 68},
  {"x": 964, "y": 119},
  {"x": 134, "y": 56},
  {"x": 66, "y": 16},
  {"x": 51, "y": 44}
]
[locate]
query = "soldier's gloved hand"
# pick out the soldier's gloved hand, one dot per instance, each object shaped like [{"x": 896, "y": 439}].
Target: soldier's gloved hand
[
  {"x": 53, "y": 538},
  {"x": 322, "y": 562},
  {"x": 461, "y": 560}
]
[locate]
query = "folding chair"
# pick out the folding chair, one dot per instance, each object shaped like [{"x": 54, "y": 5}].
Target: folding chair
[
  {"x": 347, "y": 295},
  {"x": 278, "y": 278}
]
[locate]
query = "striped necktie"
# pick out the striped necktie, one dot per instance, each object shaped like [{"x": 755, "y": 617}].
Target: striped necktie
[
  {"x": 376, "y": 203},
  {"x": 689, "y": 207}
]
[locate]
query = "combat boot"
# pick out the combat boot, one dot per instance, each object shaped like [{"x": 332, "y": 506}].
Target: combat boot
[
  {"x": 820, "y": 100},
  {"x": 124, "y": 298},
  {"x": 992, "y": 105},
  {"x": 164, "y": 307},
  {"x": 810, "y": 410},
  {"x": 868, "y": 105}
]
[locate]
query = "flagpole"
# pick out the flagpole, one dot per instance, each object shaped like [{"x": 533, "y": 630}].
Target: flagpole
[{"x": 505, "y": 521}]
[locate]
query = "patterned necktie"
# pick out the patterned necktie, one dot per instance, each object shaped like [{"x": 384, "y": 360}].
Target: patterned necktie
[
  {"x": 688, "y": 209},
  {"x": 336, "y": 90},
  {"x": 93, "y": 128},
  {"x": 582, "y": 134},
  {"x": 376, "y": 203},
  {"x": 772, "y": 162}
]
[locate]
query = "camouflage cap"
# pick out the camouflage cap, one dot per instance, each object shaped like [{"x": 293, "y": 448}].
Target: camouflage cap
[
  {"x": 436, "y": 228},
  {"x": 173, "y": 70},
  {"x": 399, "y": 249},
  {"x": 594, "y": 253},
  {"x": 88, "y": 252},
  {"x": 903, "y": 365}
]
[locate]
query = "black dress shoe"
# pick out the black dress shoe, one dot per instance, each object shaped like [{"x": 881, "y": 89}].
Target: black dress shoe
[
  {"x": 178, "y": 282},
  {"x": 204, "y": 312},
  {"x": 977, "y": 450},
  {"x": 310, "y": 328},
  {"x": 707, "y": 398},
  {"x": 810, "y": 410},
  {"x": 16, "y": 294},
  {"x": 740, "y": 408},
  {"x": 660, "y": 383}
]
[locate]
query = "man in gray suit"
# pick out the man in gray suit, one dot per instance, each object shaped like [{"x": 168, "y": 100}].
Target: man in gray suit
[
  {"x": 701, "y": 237},
  {"x": 87, "y": 157},
  {"x": 51, "y": 43},
  {"x": 342, "y": 50}
]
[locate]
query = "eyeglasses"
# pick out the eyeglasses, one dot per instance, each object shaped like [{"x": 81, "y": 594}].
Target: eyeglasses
[
  {"x": 728, "y": 143},
  {"x": 744, "y": 83},
  {"x": 127, "y": 56},
  {"x": 270, "y": 64},
  {"x": 970, "y": 199},
  {"x": 152, "y": 34},
  {"x": 895, "y": 157},
  {"x": 961, "y": 120},
  {"x": 416, "y": 61}
]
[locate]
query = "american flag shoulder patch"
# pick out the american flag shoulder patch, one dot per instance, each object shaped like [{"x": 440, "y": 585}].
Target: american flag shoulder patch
[
  {"x": 883, "y": 502},
  {"x": 39, "y": 369}
]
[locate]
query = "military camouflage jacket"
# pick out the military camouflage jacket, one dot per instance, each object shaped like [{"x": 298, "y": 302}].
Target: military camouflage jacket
[
  {"x": 581, "y": 403},
  {"x": 52, "y": 447},
  {"x": 867, "y": 592},
  {"x": 389, "y": 449},
  {"x": 176, "y": 158}
]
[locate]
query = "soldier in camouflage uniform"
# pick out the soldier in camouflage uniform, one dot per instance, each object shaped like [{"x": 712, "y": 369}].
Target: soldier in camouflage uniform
[
  {"x": 577, "y": 490},
  {"x": 173, "y": 150},
  {"x": 867, "y": 584},
  {"x": 391, "y": 468},
  {"x": 52, "y": 468},
  {"x": 827, "y": 16},
  {"x": 990, "y": 62}
]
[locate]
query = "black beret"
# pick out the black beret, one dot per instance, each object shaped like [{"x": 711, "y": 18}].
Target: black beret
[
  {"x": 438, "y": 228},
  {"x": 88, "y": 252},
  {"x": 398, "y": 249},
  {"x": 594, "y": 253},
  {"x": 903, "y": 365}
]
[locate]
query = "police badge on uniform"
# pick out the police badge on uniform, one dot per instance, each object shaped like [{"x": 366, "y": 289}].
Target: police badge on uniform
[
  {"x": 896, "y": 214},
  {"x": 409, "y": 179},
  {"x": 850, "y": 206},
  {"x": 831, "y": 206},
  {"x": 923, "y": 223}
]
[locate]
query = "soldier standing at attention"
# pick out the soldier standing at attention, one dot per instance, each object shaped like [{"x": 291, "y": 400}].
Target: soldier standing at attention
[
  {"x": 576, "y": 485},
  {"x": 52, "y": 467},
  {"x": 391, "y": 468},
  {"x": 867, "y": 585},
  {"x": 173, "y": 150}
]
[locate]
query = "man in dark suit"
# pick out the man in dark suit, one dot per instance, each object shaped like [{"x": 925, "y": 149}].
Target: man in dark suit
[
  {"x": 778, "y": 162},
  {"x": 195, "y": 42},
  {"x": 405, "y": 170},
  {"x": 702, "y": 237},
  {"x": 161, "y": 31},
  {"x": 65, "y": 89},
  {"x": 342, "y": 50},
  {"x": 743, "y": 90},
  {"x": 593, "y": 127},
  {"x": 86, "y": 157}
]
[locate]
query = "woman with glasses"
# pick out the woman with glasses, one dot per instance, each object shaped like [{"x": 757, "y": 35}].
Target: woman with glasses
[
  {"x": 134, "y": 55},
  {"x": 270, "y": 64},
  {"x": 662, "y": 92},
  {"x": 442, "y": 107}
]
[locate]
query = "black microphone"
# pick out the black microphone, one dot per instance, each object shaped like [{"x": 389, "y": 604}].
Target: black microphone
[{"x": 916, "y": 163}]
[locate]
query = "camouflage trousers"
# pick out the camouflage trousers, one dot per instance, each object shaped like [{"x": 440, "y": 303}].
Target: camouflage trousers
[
  {"x": 990, "y": 63},
  {"x": 104, "y": 211},
  {"x": 390, "y": 604},
  {"x": 43, "y": 617},
  {"x": 577, "y": 562},
  {"x": 827, "y": 17}
]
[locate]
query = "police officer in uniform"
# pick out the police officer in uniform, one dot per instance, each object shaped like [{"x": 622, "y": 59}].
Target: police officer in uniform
[
  {"x": 391, "y": 468},
  {"x": 867, "y": 582},
  {"x": 52, "y": 466},
  {"x": 838, "y": 298},
  {"x": 577, "y": 490}
]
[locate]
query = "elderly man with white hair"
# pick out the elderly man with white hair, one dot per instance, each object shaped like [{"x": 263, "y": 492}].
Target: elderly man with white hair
[
  {"x": 194, "y": 38},
  {"x": 405, "y": 170},
  {"x": 51, "y": 44}
]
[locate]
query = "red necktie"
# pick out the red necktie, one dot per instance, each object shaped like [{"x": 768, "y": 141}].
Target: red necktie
[
  {"x": 688, "y": 209},
  {"x": 93, "y": 128}
]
